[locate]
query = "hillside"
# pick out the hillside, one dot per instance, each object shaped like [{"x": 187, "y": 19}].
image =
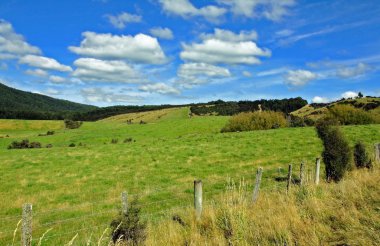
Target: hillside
[
  {"x": 14, "y": 102},
  {"x": 315, "y": 111}
]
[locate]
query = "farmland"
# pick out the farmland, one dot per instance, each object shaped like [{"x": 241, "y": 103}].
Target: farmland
[{"x": 74, "y": 188}]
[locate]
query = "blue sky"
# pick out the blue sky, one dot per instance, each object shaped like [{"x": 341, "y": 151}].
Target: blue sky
[{"x": 112, "y": 52}]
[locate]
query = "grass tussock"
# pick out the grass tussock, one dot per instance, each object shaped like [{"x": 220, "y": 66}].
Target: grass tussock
[{"x": 346, "y": 213}]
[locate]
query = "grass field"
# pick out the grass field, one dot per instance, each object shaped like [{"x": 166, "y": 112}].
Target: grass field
[{"x": 79, "y": 188}]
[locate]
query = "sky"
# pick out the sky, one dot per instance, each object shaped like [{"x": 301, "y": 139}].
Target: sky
[{"x": 136, "y": 52}]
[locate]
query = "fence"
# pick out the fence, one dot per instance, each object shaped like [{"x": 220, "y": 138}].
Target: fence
[{"x": 306, "y": 175}]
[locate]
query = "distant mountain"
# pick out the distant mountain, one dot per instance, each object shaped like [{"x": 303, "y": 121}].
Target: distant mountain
[{"x": 26, "y": 105}]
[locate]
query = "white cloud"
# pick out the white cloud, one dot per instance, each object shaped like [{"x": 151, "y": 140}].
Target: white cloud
[
  {"x": 318, "y": 99},
  {"x": 12, "y": 44},
  {"x": 160, "y": 88},
  {"x": 270, "y": 9},
  {"x": 229, "y": 36},
  {"x": 57, "y": 79},
  {"x": 163, "y": 33},
  {"x": 247, "y": 74},
  {"x": 44, "y": 63},
  {"x": 37, "y": 72},
  {"x": 120, "y": 21},
  {"x": 202, "y": 69},
  {"x": 90, "y": 69},
  {"x": 186, "y": 9},
  {"x": 299, "y": 77},
  {"x": 215, "y": 50},
  {"x": 284, "y": 33},
  {"x": 51, "y": 91},
  {"x": 272, "y": 72},
  {"x": 352, "y": 72},
  {"x": 349, "y": 94},
  {"x": 103, "y": 95},
  {"x": 140, "y": 48}
]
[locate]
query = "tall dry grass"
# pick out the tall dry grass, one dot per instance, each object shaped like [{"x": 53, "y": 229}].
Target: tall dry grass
[{"x": 345, "y": 213}]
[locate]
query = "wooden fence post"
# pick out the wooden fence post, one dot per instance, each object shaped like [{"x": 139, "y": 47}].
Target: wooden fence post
[
  {"x": 198, "y": 198},
  {"x": 317, "y": 168},
  {"x": 124, "y": 202},
  {"x": 289, "y": 178},
  {"x": 257, "y": 185},
  {"x": 302, "y": 173},
  {"x": 26, "y": 234},
  {"x": 377, "y": 153}
]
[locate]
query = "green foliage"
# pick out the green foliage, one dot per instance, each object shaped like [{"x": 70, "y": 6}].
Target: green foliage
[
  {"x": 24, "y": 144},
  {"x": 361, "y": 157},
  {"x": 349, "y": 115},
  {"x": 128, "y": 226},
  {"x": 255, "y": 121},
  {"x": 71, "y": 124},
  {"x": 336, "y": 151}
]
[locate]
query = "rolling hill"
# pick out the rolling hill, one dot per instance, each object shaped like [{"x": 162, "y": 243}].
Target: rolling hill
[{"x": 14, "y": 102}]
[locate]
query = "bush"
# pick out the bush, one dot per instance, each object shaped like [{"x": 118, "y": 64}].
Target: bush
[
  {"x": 361, "y": 157},
  {"x": 255, "y": 121},
  {"x": 24, "y": 144},
  {"x": 128, "y": 140},
  {"x": 349, "y": 115},
  {"x": 71, "y": 124},
  {"x": 114, "y": 141},
  {"x": 128, "y": 227},
  {"x": 336, "y": 152},
  {"x": 72, "y": 145}
]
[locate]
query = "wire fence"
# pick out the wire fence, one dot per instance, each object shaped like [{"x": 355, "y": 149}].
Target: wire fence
[{"x": 88, "y": 215}]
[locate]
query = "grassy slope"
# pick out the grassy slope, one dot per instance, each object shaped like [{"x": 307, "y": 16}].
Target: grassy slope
[
  {"x": 166, "y": 157},
  {"x": 316, "y": 113}
]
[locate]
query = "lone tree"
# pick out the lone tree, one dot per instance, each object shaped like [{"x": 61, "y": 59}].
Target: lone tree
[
  {"x": 336, "y": 151},
  {"x": 360, "y": 95},
  {"x": 361, "y": 157}
]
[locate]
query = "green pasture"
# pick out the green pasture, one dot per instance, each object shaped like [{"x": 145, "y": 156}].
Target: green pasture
[{"x": 78, "y": 188}]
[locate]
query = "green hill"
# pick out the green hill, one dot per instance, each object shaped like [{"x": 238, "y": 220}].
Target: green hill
[{"x": 15, "y": 103}]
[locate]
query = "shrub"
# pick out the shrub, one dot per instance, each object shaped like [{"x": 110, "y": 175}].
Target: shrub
[
  {"x": 24, "y": 144},
  {"x": 72, "y": 145},
  {"x": 361, "y": 157},
  {"x": 114, "y": 141},
  {"x": 349, "y": 115},
  {"x": 128, "y": 140},
  {"x": 71, "y": 124},
  {"x": 49, "y": 146},
  {"x": 255, "y": 121},
  {"x": 128, "y": 227},
  {"x": 336, "y": 151}
]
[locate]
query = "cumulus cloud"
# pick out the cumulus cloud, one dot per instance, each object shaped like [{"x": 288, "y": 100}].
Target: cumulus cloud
[
  {"x": 224, "y": 50},
  {"x": 318, "y": 99},
  {"x": 229, "y": 36},
  {"x": 273, "y": 10},
  {"x": 163, "y": 33},
  {"x": 97, "y": 94},
  {"x": 120, "y": 21},
  {"x": 299, "y": 77},
  {"x": 160, "y": 88},
  {"x": 90, "y": 69},
  {"x": 186, "y": 9},
  {"x": 349, "y": 94},
  {"x": 37, "y": 72},
  {"x": 57, "y": 79},
  {"x": 247, "y": 74},
  {"x": 140, "y": 48},
  {"x": 12, "y": 44},
  {"x": 353, "y": 72},
  {"x": 202, "y": 69},
  {"x": 44, "y": 63}
]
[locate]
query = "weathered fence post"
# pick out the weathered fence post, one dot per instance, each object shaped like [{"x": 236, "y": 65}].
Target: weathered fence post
[
  {"x": 124, "y": 202},
  {"x": 302, "y": 172},
  {"x": 198, "y": 198},
  {"x": 317, "y": 168},
  {"x": 257, "y": 185},
  {"x": 289, "y": 178},
  {"x": 377, "y": 153},
  {"x": 26, "y": 234}
]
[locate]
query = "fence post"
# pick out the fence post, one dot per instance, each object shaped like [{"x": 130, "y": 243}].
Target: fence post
[
  {"x": 257, "y": 185},
  {"x": 198, "y": 198},
  {"x": 302, "y": 172},
  {"x": 289, "y": 178},
  {"x": 377, "y": 153},
  {"x": 124, "y": 202},
  {"x": 317, "y": 168},
  {"x": 26, "y": 234}
]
